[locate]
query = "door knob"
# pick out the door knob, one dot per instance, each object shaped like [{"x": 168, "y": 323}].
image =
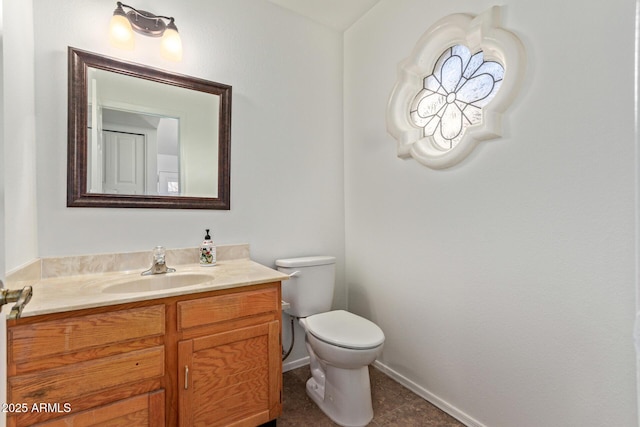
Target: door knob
[{"x": 20, "y": 296}]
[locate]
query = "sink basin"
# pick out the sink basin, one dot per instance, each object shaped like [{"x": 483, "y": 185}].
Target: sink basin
[{"x": 157, "y": 282}]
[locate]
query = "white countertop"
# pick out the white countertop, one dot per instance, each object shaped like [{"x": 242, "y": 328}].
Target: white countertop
[{"x": 68, "y": 293}]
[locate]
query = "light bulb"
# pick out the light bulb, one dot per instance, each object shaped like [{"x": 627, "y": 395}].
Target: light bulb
[
  {"x": 171, "y": 44},
  {"x": 121, "y": 33}
]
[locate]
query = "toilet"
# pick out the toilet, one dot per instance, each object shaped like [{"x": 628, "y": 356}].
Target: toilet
[{"x": 341, "y": 345}]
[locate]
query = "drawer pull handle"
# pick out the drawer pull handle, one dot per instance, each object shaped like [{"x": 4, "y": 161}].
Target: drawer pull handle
[{"x": 186, "y": 377}]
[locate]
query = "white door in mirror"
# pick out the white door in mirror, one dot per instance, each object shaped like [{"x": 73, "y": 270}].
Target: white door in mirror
[{"x": 124, "y": 160}]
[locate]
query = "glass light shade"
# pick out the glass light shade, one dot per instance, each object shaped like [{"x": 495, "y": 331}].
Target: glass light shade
[
  {"x": 171, "y": 45},
  {"x": 121, "y": 33}
]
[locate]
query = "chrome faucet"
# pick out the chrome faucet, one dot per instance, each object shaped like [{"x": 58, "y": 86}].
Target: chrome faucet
[{"x": 159, "y": 265}]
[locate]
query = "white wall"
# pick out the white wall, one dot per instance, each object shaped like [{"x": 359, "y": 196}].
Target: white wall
[
  {"x": 286, "y": 140},
  {"x": 505, "y": 285},
  {"x": 18, "y": 223},
  {"x": 20, "y": 239},
  {"x": 286, "y": 149}
]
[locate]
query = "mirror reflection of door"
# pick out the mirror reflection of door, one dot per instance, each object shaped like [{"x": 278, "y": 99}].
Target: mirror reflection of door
[
  {"x": 177, "y": 125},
  {"x": 124, "y": 163},
  {"x": 131, "y": 153}
]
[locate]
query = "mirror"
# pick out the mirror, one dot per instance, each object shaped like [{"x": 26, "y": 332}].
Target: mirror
[{"x": 143, "y": 137}]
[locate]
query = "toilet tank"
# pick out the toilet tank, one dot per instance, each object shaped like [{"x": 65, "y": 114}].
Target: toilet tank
[{"x": 310, "y": 287}]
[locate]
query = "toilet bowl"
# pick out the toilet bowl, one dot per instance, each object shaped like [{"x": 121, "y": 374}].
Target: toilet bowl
[
  {"x": 340, "y": 344},
  {"x": 343, "y": 339},
  {"x": 339, "y": 382}
]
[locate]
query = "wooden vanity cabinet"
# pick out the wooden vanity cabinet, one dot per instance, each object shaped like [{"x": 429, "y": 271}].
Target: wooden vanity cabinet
[{"x": 206, "y": 359}]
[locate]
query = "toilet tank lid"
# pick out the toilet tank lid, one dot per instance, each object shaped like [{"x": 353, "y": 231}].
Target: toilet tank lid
[{"x": 308, "y": 261}]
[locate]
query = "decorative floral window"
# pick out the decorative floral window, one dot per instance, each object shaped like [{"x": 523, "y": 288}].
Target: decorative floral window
[
  {"x": 454, "y": 94},
  {"x": 451, "y": 92}
]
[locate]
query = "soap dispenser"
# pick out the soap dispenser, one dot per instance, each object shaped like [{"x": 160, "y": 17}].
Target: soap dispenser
[{"x": 207, "y": 251}]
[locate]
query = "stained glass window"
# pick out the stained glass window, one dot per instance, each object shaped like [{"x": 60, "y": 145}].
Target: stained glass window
[{"x": 452, "y": 98}]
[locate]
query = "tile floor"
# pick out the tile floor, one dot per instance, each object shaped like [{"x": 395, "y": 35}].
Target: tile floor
[{"x": 393, "y": 404}]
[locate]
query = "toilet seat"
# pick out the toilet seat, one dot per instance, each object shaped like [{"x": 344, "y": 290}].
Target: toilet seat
[{"x": 344, "y": 329}]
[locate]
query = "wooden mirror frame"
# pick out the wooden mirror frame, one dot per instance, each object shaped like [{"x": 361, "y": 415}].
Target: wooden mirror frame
[{"x": 77, "y": 195}]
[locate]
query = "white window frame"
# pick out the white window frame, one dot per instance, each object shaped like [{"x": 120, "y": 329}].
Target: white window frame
[{"x": 482, "y": 32}]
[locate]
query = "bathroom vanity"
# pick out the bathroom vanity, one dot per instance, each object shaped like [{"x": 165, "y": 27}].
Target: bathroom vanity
[{"x": 206, "y": 354}]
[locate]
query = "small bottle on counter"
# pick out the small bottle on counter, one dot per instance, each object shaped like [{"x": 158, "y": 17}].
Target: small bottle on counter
[{"x": 207, "y": 252}]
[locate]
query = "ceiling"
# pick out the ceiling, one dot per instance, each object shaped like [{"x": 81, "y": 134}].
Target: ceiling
[{"x": 338, "y": 14}]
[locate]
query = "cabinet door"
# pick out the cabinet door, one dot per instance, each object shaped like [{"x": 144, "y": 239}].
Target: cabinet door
[{"x": 231, "y": 378}]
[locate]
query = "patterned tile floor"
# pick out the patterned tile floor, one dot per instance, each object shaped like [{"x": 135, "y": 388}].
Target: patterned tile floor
[{"x": 393, "y": 404}]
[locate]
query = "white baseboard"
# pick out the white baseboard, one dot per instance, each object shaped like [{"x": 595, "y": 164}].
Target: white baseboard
[
  {"x": 428, "y": 396},
  {"x": 288, "y": 366}
]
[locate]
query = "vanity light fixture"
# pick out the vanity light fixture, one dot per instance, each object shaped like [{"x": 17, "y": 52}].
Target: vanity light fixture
[{"x": 123, "y": 24}]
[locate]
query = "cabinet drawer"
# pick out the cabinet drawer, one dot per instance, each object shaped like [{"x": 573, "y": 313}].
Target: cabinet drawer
[
  {"x": 69, "y": 382},
  {"x": 146, "y": 410},
  {"x": 28, "y": 342},
  {"x": 206, "y": 311}
]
